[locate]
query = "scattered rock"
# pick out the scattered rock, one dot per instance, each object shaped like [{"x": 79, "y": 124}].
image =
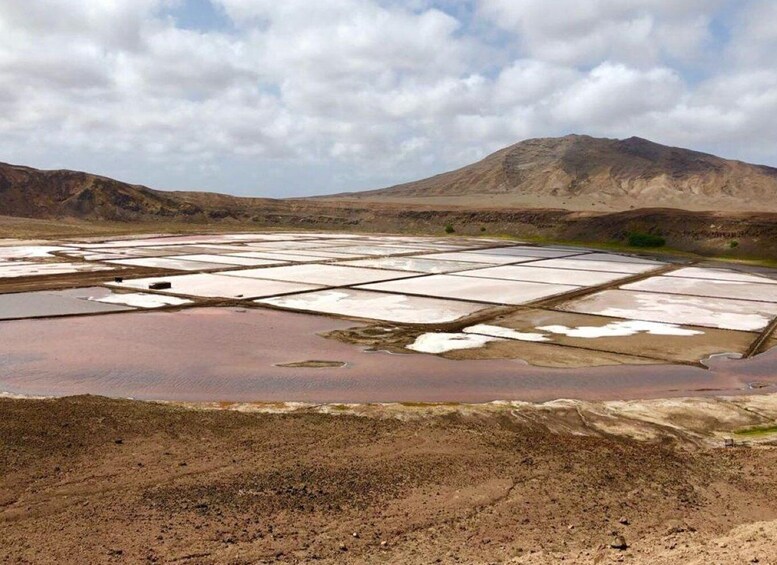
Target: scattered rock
[
  {"x": 619, "y": 542},
  {"x": 624, "y": 521}
]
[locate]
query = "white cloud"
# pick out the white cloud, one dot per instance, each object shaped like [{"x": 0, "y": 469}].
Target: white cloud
[
  {"x": 300, "y": 96},
  {"x": 634, "y": 32},
  {"x": 613, "y": 93}
]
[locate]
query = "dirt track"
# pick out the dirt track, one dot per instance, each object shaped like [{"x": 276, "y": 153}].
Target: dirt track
[{"x": 90, "y": 480}]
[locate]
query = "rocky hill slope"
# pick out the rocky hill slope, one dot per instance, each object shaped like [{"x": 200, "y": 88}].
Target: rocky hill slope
[
  {"x": 33, "y": 193},
  {"x": 603, "y": 191},
  {"x": 579, "y": 172}
]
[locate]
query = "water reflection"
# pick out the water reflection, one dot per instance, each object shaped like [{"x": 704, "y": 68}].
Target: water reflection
[{"x": 208, "y": 354}]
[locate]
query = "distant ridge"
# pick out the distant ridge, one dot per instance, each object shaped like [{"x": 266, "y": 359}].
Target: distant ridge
[
  {"x": 580, "y": 172},
  {"x": 33, "y": 193},
  {"x": 507, "y": 204},
  {"x": 575, "y": 173}
]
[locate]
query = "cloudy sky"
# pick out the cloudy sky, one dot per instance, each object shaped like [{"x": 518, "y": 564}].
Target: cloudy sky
[{"x": 297, "y": 97}]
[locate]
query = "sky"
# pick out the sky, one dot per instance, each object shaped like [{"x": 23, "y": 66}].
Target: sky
[{"x": 299, "y": 97}]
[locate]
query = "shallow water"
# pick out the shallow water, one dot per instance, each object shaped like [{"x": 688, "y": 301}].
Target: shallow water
[{"x": 211, "y": 354}]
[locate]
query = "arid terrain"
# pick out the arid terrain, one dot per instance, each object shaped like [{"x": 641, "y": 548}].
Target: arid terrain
[
  {"x": 89, "y": 479},
  {"x": 583, "y": 173},
  {"x": 92, "y": 480},
  {"x": 391, "y": 282},
  {"x": 575, "y": 188}
]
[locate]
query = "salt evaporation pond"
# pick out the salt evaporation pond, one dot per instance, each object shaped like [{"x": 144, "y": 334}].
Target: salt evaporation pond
[{"x": 221, "y": 354}]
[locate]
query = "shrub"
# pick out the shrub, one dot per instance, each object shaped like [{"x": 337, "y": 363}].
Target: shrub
[
  {"x": 482, "y": 228},
  {"x": 449, "y": 228},
  {"x": 733, "y": 244},
  {"x": 637, "y": 239}
]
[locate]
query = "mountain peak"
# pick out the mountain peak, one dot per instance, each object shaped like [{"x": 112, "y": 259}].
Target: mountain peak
[{"x": 581, "y": 172}]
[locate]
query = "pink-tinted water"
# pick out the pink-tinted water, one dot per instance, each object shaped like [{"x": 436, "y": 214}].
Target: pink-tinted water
[{"x": 211, "y": 354}]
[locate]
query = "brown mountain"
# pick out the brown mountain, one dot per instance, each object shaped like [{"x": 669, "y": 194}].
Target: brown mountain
[
  {"x": 573, "y": 172},
  {"x": 579, "y": 172},
  {"x": 33, "y": 193},
  {"x": 487, "y": 188}
]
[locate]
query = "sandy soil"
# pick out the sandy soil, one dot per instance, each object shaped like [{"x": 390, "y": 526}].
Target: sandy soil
[
  {"x": 583, "y": 203},
  {"x": 91, "y": 480}
]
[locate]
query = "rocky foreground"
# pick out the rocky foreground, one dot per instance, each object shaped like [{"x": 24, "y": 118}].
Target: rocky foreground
[{"x": 92, "y": 480}]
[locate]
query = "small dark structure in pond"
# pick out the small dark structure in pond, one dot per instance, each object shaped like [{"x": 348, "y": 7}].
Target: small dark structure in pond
[{"x": 161, "y": 285}]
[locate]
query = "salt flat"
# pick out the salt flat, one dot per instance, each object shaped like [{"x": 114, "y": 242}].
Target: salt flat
[
  {"x": 26, "y": 269},
  {"x": 721, "y": 313},
  {"x": 99, "y": 256},
  {"x": 164, "y": 251},
  {"x": 416, "y": 264},
  {"x": 707, "y": 287},
  {"x": 380, "y": 250},
  {"x": 53, "y": 303},
  {"x": 30, "y": 251},
  {"x": 226, "y": 259},
  {"x": 619, "y": 258},
  {"x": 442, "y": 342},
  {"x": 280, "y": 236},
  {"x": 720, "y": 274},
  {"x": 324, "y": 275},
  {"x": 283, "y": 256},
  {"x": 378, "y": 306},
  {"x": 217, "y": 286},
  {"x": 527, "y": 251},
  {"x": 211, "y": 248},
  {"x": 167, "y": 263},
  {"x": 531, "y": 273},
  {"x": 141, "y": 300},
  {"x": 313, "y": 254},
  {"x": 666, "y": 341},
  {"x": 596, "y": 265},
  {"x": 475, "y": 289},
  {"x": 477, "y": 257},
  {"x": 287, "y": 245},
  {"x": 157, "y": 241},
  {"x": 417, "y": 280}
]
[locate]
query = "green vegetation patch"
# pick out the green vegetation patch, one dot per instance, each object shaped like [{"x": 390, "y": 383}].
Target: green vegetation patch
[
  {"x": 757, "y": 431},
  {"x": 637, "y": 239}
]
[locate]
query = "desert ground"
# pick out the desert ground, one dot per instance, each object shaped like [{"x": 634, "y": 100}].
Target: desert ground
[
  {"x": 93, "y": 480},
  {"x": 444, "y": 465}
]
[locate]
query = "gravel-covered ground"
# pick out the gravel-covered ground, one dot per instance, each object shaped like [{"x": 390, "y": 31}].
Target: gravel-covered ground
[{"x": 92, "y": 480}]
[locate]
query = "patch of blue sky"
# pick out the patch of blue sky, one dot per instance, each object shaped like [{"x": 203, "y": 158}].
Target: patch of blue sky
[{"x": 199, "y": 15}]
